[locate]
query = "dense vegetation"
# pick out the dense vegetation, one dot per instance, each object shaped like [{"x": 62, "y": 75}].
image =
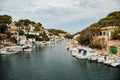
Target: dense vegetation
[
  {"x": 87, "y": 34},
  {"x": 112, "y": 19},
  {"x": 56, "y": 31},
  {"x": 116, "y": 34},
  {"x": 68, "y": 36},
  {"x": 4, "y": 21},
  {"x": 25, "y": 25},
  {"x": 24, "y": 22},
  {"x": 44, "y": 37}
]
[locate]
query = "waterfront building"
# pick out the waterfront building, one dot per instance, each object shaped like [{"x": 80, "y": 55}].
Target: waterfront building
[
  {"x": 108, "y": 45},
  {"x": 13, "y": 29},
  {"x": 106, "y": 32},
  {"x": 23, "y": 39}
]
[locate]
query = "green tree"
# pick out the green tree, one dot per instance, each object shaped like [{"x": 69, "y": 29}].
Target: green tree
[
  {"x": 36, "y": 37},
  {"x": 87, "y": 34},
  {"x": 13, "y": 39},
  {"x": 44, "y": 36},
  {"x": 4, "y": 20},
  {"x": 3, "y": 36},
  {"x": 116, "y": 34},
  {"x": 27, "y": 28},
  {"x": 37, "y": 26},
  {"x": 21, "y": 32},
  {"x": 68, "y": 36},
  {"x": 3, "y": 28},
  {"x": 18, "y": 23},
  {"x": 110, "y": 20},
  {"x": 56, "y": 31},
  {"x": 24, "y": 22},
  {"x": 8, "y": 34},
  {"x": 96, "y": 45}
]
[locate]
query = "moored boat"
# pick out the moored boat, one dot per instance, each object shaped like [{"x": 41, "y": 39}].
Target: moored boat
[
  {"x": 116, "y": 63},
  {"x": 10, "y": 50},
  {"x": 27, "y": 49}
]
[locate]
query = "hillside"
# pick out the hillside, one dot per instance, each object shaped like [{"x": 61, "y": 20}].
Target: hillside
[
  {"x": 56, "y": 31},
  {"x": 112, "y": 19}
]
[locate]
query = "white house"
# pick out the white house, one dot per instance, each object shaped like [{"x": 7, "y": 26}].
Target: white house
[
  {"x": 106, "y": 32},
  {"x": 22, "y": 39}
]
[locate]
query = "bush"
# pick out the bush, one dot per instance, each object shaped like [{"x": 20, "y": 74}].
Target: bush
[
  {"x": 68, "y": 36},
  {"x": 115, "y": 35},
  {"x": 39, "y": 39},
  {"x": 13, "y": 39},
  {"x": 45, "y": 37},
  {"x": 8, "y": 34},
  {"x": 96, "y": 45},
  {"x": 21, "y": 32}
]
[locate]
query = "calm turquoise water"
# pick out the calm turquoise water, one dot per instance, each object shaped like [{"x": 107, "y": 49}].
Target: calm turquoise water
[{"x": 53, "y": 62}]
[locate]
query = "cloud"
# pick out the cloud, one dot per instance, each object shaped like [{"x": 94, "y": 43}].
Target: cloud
[{"x": 63, "y": 14}]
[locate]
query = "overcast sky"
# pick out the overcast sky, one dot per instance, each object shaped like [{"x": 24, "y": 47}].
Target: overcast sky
[{"x": 69, "y": 15}]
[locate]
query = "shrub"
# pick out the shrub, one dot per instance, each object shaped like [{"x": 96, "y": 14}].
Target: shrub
[{"x": 96, "y": 45}]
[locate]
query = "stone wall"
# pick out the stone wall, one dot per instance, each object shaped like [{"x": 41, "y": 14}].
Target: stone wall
[{"x": 115, "y": 43}]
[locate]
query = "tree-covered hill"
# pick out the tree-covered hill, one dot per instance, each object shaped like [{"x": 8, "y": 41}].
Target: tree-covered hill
[
  {"x": 56, "y": 31},
  {"x": 112, "y": 19}
]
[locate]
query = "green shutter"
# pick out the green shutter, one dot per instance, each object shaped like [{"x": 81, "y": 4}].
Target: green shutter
[{"x": 113, "y": 49}]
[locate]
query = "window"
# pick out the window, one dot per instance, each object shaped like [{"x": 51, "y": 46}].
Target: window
[
  {"x": 100, "y": 33},
  {"x": 104, "y": 33}
]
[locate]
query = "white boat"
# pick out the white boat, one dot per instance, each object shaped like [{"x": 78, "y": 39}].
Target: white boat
[
  {"x": 77, "y": 53},
  {"x": 109, "y": 62},
  {"x": 27, "y": 49},
  {"x": 27, "y": 45},
  {"x": 83, "y": 54},
  {"x": 74, "y": 54},
  {"x": 101, "y": 59},
  {"x": 74, "y": 51},
  {"x": 78, "y": 56},
  {"x": 86, "y": 53},
  {"x": 93, "y": 57},
  {"x": 116, "y": 63},
  {"x": 18, "y": 48},
  {"x": 9, "y": 50},
  {"x": 43, "y": 43}
]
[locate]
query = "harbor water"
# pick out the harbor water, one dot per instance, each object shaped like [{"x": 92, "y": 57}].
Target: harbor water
[{"x": 53, "y": 62}]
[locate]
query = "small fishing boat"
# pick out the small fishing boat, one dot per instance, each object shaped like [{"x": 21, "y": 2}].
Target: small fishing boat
[
  {"x": 86, "y": 53},
  {"x": 43, "y": 43},
  {"x": 109, "y": 62},
  {"x": 101, "y": 59},
  {"x": 116, "y": 63},
  {"x": 74, "y": 51},
  {"x": 10, "y": 50},
  {"x": 93, "y": 57},
  {"x": 27, "y": 49}
]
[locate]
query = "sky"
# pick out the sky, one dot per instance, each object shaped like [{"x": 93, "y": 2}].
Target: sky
[{"x": 69, "y": 15}]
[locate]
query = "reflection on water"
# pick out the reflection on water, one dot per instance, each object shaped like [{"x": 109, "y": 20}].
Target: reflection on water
[{"x": 53, "y": 62}]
